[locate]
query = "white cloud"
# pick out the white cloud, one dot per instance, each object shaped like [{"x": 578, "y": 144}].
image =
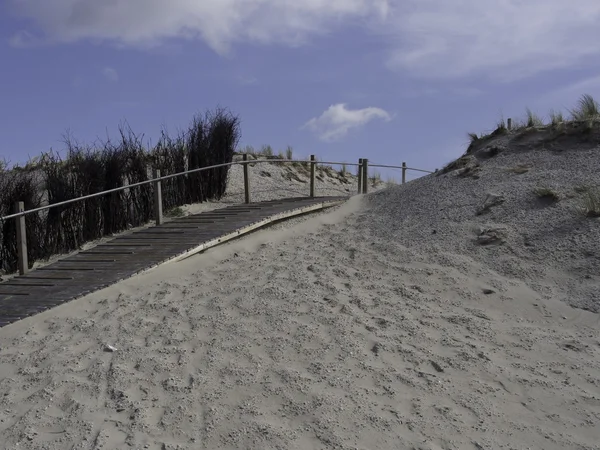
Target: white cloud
[
  {"x": 498, "y": 39},
  {"x": 502, "y": 39},
  {"x": 338, "y": 120},
  {"x": 110, "y": 74},
  {"x": 220, "y": 23}
]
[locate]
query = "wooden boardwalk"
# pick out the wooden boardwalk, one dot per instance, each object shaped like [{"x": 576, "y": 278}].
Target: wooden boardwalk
[{"x": 132, "y": 253}]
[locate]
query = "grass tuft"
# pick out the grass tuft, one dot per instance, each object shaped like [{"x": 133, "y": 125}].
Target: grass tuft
[
  {"x": 547, "y": 193},
  {"x": 533, "y": 120},
  {"x": 289, "y": 152},
  {"x": 587, "y": 109},
  {"x": 520, "y": 169},
  {"x": 266, "y": 151},
  {"x": 501, "y": 127},
  {"x": 391, "y": 181},
  {"x": 473, "y": 137},
  {"x": 375, "y": 178},
  {"x": 556, "y": 117},
  {"x": 591, "y": 203},
  {"x": 249, "y": 150},
  {"x": 175, "y": 212}
]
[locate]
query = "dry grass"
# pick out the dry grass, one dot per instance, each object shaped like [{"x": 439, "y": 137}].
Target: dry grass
[
  {"x": 175, "y": 212},
  {"x": 556, "y": 118},
  {"x": 473, "y": 137},
  {"x": 587, "y": 112},
  {"x": 547, "y": 193},
  {"x": 391, "y": 181},
  {"x": 459, "y": 163},
  {"x": 587, "y": 109},
  {"x": 533, "y": 120},
  {"x": 520, "y": 169},
  {"x": 267, "y": 151},
  {"x": 591, "y": 203},
  {"x": 375, "y": 178},
  {"x": 289, "y": 153},
  {"x": 582, "y": 189},
  {"x": 501, "y": 126}
]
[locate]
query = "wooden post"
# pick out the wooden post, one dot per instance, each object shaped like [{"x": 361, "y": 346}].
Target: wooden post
[
  {"x": 312, "y": 175},
  {"x": 21, "y": 240},
  {"x": 158, "y": 205},
  {"x": 360, "y": 172},
  {"x": 509, "y": 123},
  {"x": 403, "y": 172},
  {"x": 365, "y": 177},
  {"x": 246, "y": 180}
]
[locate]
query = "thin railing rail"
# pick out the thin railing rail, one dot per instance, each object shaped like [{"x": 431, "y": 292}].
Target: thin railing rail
[
  {"x": 186, "y": 172},
  {"x": 133, "y": 185},
  {"x": 338, "y": 163},
  {"x": 385, "y": 166}
]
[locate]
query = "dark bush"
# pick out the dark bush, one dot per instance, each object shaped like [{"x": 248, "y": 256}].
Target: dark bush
[{"x": 85, "y": 170}]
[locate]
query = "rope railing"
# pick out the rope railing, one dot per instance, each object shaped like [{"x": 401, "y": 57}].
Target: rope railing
[
  {"x": 20, "y": 212},
  {"x": 402, "y": 167}
]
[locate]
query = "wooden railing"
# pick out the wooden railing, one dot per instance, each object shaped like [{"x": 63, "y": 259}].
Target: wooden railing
[{"x": 156, "y": 181}]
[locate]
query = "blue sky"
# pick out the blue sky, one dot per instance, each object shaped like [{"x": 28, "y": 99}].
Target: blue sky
[{"x": 390, "y": 80}]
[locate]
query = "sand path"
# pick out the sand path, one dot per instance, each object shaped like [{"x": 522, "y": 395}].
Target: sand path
[{"x": 315, "y": 335}]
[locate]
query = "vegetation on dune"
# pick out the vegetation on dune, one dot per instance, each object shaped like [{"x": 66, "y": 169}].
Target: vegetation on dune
[
  {"x": 582, "y": 119},
  {"x": 533, "y": 120},
  {"x": 289, "y": 153},
  {"x": 587, "y": 109},
  {"x": 87, "y": 169},
  {"x": 267, "y": 152},
  {"x": 546, "y": 193},
  {"x": 591, "y": 203},
  {"x": 556, "y": 117},
  {"x": 587, "y": 112}
]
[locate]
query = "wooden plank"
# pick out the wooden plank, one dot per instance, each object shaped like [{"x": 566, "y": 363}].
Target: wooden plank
[
  {"x": 183, "y": 226},
  {"x": 42, "y": 277},
  {"x": 22, "y": 282},
  {"x": 26, "y": 305},
  {"x": 113, "y": 244},
  {"x": 79, "y": 258},
  {"x": 193, "y": 220},
  {"x": 159, "y": 231},
  {"x": 112, "y": 253},
  {"x": 12, "y": 318},
  {"x": 156, "y": 242}
]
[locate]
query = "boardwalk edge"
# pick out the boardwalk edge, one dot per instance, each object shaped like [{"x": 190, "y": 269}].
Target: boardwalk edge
[{"x": 245, "y": 230}]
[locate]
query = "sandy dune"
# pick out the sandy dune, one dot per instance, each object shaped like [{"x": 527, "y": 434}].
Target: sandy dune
[{"x": 312, "y": 335}]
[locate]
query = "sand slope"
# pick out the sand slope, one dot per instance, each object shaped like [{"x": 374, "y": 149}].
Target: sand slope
[
  {"x": 317, "y": 335},
  {"x": 549, "y": 244}
]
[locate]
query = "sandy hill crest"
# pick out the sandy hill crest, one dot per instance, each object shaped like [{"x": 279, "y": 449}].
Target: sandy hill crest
[{"x": 523, "y": 202}]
